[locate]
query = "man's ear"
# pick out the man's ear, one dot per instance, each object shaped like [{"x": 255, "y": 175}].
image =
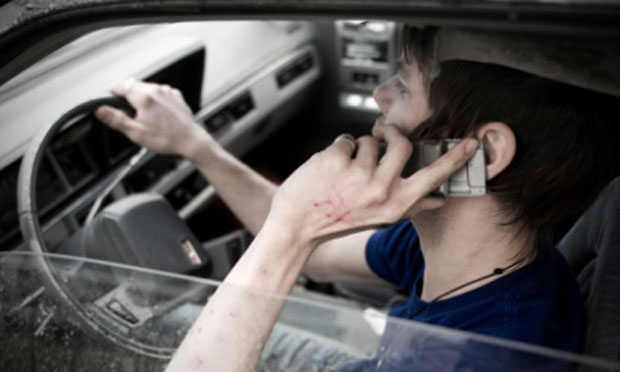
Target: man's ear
[{"x": 500, "y": 146}]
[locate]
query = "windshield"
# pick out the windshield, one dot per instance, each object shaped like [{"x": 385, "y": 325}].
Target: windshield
[{"x": 151, "y": 311}]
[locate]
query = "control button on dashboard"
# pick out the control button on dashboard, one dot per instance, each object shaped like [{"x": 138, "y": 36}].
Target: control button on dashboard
[{"x": 218, "y": 121}]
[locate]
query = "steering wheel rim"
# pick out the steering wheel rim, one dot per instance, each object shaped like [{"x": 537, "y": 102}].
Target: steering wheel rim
[{"x": 32, "y": 233}]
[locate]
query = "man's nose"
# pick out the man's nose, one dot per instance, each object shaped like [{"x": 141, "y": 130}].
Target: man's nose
[{"x": 383, "y": 96}]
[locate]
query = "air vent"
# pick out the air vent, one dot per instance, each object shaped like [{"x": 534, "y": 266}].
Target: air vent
[
  {"x": 230, "y": 113},
  {"x": 294, "y": 69}
]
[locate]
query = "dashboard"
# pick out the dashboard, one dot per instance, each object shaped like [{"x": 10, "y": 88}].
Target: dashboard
[{"x": 243, "y": 80}]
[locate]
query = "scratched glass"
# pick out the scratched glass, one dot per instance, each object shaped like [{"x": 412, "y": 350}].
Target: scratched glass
[{"x": 120, "y": 318}]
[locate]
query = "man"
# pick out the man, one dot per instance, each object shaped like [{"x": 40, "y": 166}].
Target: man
[{"x": 474, "y": 264}]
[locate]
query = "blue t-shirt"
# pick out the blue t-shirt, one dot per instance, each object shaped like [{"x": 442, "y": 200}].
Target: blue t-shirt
[{"x": 538, "y": 303}]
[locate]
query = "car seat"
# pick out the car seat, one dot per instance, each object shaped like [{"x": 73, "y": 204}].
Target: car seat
[{"x": 592, "y": 249}]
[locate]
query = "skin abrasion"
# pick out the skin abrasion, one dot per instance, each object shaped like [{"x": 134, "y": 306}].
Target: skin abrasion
[
  {"x": 198, "y": 361},
  {"x": 335, "y": 208}
]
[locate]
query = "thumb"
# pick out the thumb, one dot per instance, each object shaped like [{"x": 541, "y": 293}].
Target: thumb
[{"x": 429, "y": 178}]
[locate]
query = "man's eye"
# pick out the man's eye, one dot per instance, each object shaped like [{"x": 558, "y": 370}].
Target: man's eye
[{"x": 402, "y": 89}]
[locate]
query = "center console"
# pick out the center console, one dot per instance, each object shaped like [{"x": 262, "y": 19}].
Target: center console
[{"x": 367, "y": 53}]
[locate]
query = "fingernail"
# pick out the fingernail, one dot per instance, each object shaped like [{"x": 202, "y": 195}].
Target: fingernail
[
  {"x": 471, "y": 146},
  {"x": 377, "y": 130}
]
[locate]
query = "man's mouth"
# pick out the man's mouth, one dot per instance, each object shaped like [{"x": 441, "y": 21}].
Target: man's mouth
[{"x": 380, "y": 120}]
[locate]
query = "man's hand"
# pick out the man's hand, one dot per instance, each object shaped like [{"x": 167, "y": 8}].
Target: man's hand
[
  {"x": 163, "y": 123},
  {"x": 333, "y": 194}
]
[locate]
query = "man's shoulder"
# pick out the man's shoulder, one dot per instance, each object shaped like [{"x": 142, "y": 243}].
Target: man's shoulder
[
  {"x": 393, "y": 254},
  {"x": 544, "y": 306},
  {"x": 538, "y": 303}
]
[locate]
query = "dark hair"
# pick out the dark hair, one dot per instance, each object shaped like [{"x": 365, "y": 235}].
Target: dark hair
[{"x": 566, "y": 138}]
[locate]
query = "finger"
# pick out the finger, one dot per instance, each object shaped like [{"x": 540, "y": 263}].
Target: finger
[
  {"x": 134, "y": 91},
  {"x": 123, "y": 87},
  {"x": 177, "y": 93},
  {"x": 380, "y": 127},
  {"x": 378, "y": 130},
  {"x": 344, "y": 145},
  {"x": 398, "y": 151},
  {"x": 367, "y": 152},
  {"x": 116, "y": 119},
  {"x": 429, "y": 178}
]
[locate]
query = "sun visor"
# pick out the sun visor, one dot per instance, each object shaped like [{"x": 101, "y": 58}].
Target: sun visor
[{"x": 583, "y": 63}]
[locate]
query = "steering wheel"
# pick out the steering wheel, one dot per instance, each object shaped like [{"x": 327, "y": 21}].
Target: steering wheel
[{"x": 169, "y": 247}]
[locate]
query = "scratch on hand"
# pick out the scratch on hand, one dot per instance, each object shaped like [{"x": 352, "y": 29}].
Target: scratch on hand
[{"x": 337, "y": 210}]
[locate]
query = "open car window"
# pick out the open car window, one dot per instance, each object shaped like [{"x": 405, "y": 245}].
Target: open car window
[{"x": 154, "y": 310}]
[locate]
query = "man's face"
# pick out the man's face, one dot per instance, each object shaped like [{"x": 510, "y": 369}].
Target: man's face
[{"x": 403, "y": 99}]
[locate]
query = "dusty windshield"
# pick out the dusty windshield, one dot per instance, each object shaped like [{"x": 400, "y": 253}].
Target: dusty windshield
[{"x": 121, "y": 318}]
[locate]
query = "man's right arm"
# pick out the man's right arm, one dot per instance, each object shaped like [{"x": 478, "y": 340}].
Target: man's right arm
[
  {"x": 248, "y": 194},
  {"x": 245, "y": 192}
]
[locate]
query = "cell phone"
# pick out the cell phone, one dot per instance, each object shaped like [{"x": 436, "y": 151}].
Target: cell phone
[{"x": 467, "y": 181}]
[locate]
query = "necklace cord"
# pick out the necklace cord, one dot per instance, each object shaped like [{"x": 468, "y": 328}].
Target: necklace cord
[
  {"x": 385, "y": 350},
  {"x": 496, "y": 271}
]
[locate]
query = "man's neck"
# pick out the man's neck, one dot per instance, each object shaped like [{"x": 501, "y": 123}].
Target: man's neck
[{"x": 463, "y": 241}]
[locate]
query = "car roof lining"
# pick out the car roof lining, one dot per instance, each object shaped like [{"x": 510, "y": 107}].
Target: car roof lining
[
  {"x": 578, "y": 62},
  {"x": 56, "y": 23}
]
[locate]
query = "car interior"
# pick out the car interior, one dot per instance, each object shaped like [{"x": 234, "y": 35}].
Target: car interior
[
  {"x": 260, "y": 100},
  {"x": 263, "y": 89},
  {"x": 272, "y": 93}
]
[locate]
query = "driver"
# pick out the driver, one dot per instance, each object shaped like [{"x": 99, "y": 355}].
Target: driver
[{"x": 480, "y": 264}]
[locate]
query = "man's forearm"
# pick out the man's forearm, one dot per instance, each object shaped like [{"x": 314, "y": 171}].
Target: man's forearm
[
  {"x": 231, "y": 331},
  {"x": 246, "y": 192},
  {"x": 249, "y": 196}
]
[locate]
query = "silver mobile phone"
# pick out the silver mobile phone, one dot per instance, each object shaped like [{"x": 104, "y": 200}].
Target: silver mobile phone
[{"x": 467, "y": 181}]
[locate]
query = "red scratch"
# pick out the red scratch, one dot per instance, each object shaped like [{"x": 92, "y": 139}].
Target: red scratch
[
  {"x": 338, "y": 210},
  {"x": 322, "y": 203},
  {"x": 342, "y": 216}
]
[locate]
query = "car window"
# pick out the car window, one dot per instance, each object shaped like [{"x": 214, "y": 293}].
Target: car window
[{"x": 154, "y": 310}]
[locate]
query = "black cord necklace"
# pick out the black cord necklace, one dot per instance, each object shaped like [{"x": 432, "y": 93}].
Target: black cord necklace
[
  {"x": 496, "y": 271},
  {"x": 384, "y": 351}
]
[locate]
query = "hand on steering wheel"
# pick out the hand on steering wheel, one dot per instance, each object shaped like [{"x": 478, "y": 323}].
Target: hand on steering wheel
[{"x": 163, "y": 122}]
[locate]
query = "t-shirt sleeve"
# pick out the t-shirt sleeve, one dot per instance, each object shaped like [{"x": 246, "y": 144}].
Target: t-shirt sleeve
[{"x": 393, "y": 253}]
